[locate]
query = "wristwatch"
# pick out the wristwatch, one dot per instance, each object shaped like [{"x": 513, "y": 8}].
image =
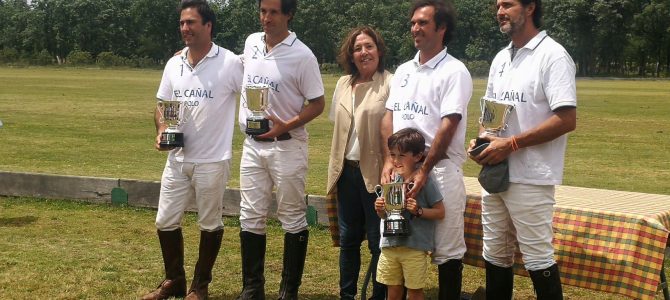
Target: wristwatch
[{"x": 419, "y": 212}]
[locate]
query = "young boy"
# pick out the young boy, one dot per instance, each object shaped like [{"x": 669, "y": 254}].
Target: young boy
[{"x": 405, "y": 259}]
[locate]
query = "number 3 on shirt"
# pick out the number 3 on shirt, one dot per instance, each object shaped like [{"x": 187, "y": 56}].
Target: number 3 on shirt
[{"x": 404, "y": 81}]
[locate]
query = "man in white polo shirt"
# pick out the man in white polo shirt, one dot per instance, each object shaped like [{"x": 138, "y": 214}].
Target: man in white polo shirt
[
  {"x": 431, "y": 93},
  {"x": 278, "y": 158},
  {"x": 537, "y": 76},
  {"x": 206, "y": 79}
]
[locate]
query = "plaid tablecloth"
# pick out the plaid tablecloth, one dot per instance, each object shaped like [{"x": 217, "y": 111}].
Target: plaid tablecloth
[{"x": 598, "y": 244}]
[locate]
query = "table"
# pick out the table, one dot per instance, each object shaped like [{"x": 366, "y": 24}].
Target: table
[{"x": 605, "y": 240}]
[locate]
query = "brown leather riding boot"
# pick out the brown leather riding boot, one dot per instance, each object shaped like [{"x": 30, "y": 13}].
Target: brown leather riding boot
[
  {"x": 174, "y": 284},
  {"x": 168, "y": 288},
  {"x": 210, "y": 243}
]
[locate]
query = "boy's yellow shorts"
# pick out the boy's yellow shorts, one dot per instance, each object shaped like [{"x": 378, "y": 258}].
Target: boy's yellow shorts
[{"x": 403, "y": 266}]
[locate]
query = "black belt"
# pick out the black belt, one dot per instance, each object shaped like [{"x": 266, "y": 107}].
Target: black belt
[
  {"x": 352, "y": 163},
  {"x": 282, "y": 137}
]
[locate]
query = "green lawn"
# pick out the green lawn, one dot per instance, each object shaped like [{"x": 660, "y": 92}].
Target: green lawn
[
  {"x": 95, "y": 122},
  {"x": 59, "y": 249},
  {"x": 99, "y": 123}
]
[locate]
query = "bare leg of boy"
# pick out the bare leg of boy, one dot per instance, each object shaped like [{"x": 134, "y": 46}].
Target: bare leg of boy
[
  {"x": 395, "y": 292},
  {"x": 415, "y": 294}
]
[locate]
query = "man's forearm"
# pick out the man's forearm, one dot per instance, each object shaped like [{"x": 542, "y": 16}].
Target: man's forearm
[
  {"x": 312, "y": 110},
  {"x": 386, "y": 129},
  {"x": 157, "y": 121},
  {"x": 561, "y": 122},
  {"x": 438, "y": 148}
]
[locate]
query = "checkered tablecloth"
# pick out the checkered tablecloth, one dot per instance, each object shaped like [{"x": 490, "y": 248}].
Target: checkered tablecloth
[{"x": 596, "y": 248}]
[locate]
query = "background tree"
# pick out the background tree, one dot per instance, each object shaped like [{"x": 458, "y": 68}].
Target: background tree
[{"x": 604, "y": 37}]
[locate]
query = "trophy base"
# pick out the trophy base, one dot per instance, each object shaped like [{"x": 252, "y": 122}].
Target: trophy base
[
  {"x": 171, "y": 140},
  {"x": 396, "y": 228},
  {"x": 257, "y": 126}
]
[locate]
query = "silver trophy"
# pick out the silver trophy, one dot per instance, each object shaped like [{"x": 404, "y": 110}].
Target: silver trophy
[
  {"x": 494, "y": 116},
  {"x": 494, "y": 120},
  {"x": 256, "y": 100},
  {"x": 394, "y": 199},
  {"x": 171, "y": 114}
]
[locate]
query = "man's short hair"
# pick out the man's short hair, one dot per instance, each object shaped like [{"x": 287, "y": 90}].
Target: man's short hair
[
  {"x": 445, "y": 15},
  {"x": 407, "y": 140},
  {"x": 288, "y": 7},
  {"x": 537, "y": 14},
  {"x": 206, "y": 12}
]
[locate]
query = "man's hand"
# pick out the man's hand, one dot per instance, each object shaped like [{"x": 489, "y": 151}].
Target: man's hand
[
  {"x": 419, "y": 180},
  {"x": 472, "y": 146},
  {"x": 387, "y": 172},
  {"x": 158, "y": 141},
  {"x": 498, "y": 150},
  {"x": 277, "y": 128}
]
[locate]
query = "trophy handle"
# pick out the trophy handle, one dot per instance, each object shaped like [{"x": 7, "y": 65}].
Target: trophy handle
[
  {"x": 244, "y": 98},
  {"x": 482, "y": 106},
  {"x": 160, "y": 108},
  {"x": 508, "y": 111},
  {"x": 182, "y": 114},
  {"x": 410, "y": 186},
  {"x": 481, "y": 103},
  {"x": 378, "y": 190}
]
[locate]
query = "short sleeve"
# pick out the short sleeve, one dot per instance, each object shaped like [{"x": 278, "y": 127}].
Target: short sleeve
[
  {"x": 311, "y": 85},
  {"x": 559, "y": 82},
  {"x": 432, "y": 192},
  {"x": 165, "y": 88},
  {"x": 457, "y": 94},
  {"x": 235, "y": 69}
]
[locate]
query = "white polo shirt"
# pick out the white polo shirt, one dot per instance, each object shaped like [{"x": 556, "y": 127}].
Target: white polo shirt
[
  {"x": 421, "y": 95},
  {"x": 292, "y": 72},
  {"x": 208, "y": 91},
  {"x": 540, "y": 79}
]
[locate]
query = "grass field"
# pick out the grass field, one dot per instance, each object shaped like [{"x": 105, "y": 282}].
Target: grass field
[
  {"x": 58, "y": 249},
  {"x": 99, "y": 123}
]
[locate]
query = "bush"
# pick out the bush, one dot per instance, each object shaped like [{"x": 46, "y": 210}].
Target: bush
[
  {"x": 330, "y": 68},
  {"x": 109, "y": 59},
  {"x": 478, "y": 68},
  {"x": 80, "y": 58},
  {"x": 42, "y": 58},
  {"x": 9, "y": 55},
  {"x": 144, "y": 62}
]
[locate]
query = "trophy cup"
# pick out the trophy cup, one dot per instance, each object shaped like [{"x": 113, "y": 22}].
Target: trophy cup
[
  {"x": 257, "y": 102},
  {"x": 171, "y": 114},
  {"x": 394, "y": 197},
  {"x": 494, "y": 120},
  {"x": 493, "y": 178}
]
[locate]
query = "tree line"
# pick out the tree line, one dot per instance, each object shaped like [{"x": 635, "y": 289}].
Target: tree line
[{"x": 604, "y": 37}]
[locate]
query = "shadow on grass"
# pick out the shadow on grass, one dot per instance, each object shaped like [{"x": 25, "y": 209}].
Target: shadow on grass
[
  {"x": 274, "y": 296},
  {"x": 17, "y": 221}
]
